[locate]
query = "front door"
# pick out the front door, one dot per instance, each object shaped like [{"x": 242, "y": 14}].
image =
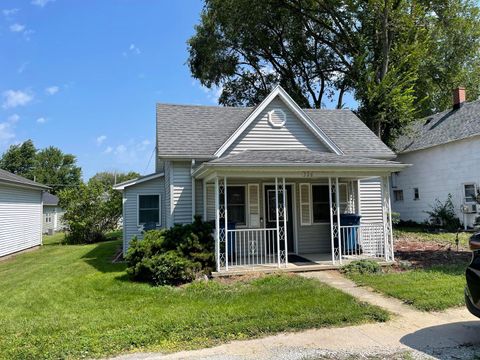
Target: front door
[{"x": 271, "y": 214}]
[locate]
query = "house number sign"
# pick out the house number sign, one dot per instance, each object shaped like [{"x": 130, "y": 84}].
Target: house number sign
[{"x": 307, "y": 174}]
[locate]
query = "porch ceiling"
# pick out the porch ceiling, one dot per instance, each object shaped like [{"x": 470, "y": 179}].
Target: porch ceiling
[{"x": 291, "y": 161}]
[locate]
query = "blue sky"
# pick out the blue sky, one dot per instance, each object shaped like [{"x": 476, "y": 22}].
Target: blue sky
[{"x": 85, "y": 76}]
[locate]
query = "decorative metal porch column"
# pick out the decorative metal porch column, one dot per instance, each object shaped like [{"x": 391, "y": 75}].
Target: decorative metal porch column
[
  {"x": 281, "y": 212},
  {"x": 335, "y": 230},
  {"x": 221, "y": 224},
  {"x": 387, "y": 220}
]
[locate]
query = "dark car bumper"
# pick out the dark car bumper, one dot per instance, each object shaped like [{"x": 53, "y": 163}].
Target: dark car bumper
[{"x": 472, "y": 290}]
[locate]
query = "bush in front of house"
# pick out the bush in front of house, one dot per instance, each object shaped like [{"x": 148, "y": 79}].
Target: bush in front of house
[
  {"x": 172, "y": 256},
  {"x": 443, "y": 215},
  {"x": 362, "y": 267}
]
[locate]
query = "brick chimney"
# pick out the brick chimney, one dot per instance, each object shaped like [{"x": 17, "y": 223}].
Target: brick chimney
[{"x": 459, "y": 97}]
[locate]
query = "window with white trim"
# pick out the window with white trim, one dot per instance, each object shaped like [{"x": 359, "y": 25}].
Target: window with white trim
[
  {"x": 320, "y": 204},
  {"x": 236, "y": 204},
  {"x": 148, "y": 209},
  {"x": 48, "y": 217},
  {"x": 470, "y": 192}
]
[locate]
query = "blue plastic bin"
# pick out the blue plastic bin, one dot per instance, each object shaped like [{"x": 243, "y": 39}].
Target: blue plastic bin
[{"x": 350, "y": 235}]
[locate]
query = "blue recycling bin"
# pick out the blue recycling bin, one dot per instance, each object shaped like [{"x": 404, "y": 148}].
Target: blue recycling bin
[{"x": 350, "y": 235}]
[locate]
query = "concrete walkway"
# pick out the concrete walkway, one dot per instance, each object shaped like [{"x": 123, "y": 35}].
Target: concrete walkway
[{"x": 453, "y": 334}]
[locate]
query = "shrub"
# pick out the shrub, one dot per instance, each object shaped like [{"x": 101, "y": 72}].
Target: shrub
[
  {"x": 443, "y": 214},
  {"x": 362, "y": 267},
  {"x": 395, "y": 218},
  {"x": 172, "y": 256}
]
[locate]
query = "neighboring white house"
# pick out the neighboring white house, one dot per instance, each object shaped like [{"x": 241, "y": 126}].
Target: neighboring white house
[
  {"x": 52, "y": 214},
  {"x": 275, "y": 180},
  {"x": 20, "y": 213},
  {"x": 444, "y": 150}
]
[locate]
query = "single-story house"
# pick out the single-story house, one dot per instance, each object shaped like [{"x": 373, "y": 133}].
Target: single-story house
[
  {"x": 20, "y": 213},
  {"x": 444, "y": 150},
  {"x": 276, "y": 180},
  {"x": 52, "y": 214}
]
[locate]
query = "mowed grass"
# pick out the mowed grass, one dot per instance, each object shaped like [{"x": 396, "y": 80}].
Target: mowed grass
[
  {"x": 66, "y": 301},
  {"x": 432, "y": 289}
]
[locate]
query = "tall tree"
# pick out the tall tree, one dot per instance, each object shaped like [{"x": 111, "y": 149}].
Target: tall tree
[
  {"x": 108, "y": 178},
  {"x": 400, "y": 58},
  {"x": 56, "y": 169},
  {"x": 20, "y": 159}
]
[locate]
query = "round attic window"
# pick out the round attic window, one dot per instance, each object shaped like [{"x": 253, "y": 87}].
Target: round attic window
[{"x": 277, "y": 118}]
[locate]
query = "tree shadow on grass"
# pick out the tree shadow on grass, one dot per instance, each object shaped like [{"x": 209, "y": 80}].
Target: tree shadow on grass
[{"x": 102, "y": 255}]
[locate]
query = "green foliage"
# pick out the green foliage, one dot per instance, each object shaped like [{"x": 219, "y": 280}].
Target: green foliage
[
  {"x": 395, "y": 218},
  {"x": 400, "y": 59},
  {"x": 112, "y": 178},
  {"x": 362, "y": 267},
  {"x": 20, "y": 159},
  {"x": 49, "y": 166},
  {"x": 91, "y": 210},
  {"x": 172, "y": 256},
  {"x": 56, "y": 169},
  {"x": 443, "y": 214}
]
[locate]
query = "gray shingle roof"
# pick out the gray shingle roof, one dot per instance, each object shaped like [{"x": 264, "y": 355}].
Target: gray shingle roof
[
  {"x": 299, "y": 157},
  {"x": 49, "y": 199},
  {"x": 8, "y": 177},
  {"x": 441, "y": 128},
  {"x": 201, "y": 130}
]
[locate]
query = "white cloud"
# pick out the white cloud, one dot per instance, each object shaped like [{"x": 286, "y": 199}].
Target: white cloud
[
  {"x": 41, "y": 3},
  {"x": 18, "y": 28},
  {"x": 108, "y": 150},
  {"x": 132, "y": 49},
  {"x": 10, "y": 12},
  {"x": 7, "y": 129},
  {"x": 101, "y": 139},
  {"x": 41, "y": 120},
  {"x": 52, "y": 90},
  {"x": 14, "y": 98},
  {"x": 213, "y": 94}
]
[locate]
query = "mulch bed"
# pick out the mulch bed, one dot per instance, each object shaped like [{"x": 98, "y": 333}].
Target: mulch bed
[{"x": 422, "y": 254}]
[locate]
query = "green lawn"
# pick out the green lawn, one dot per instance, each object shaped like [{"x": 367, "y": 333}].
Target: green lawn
[
  {"x": 70, "y": 301},
  {"x": 418, "y": 234},
  {"x": 54, "y": 239},
  {"x": 436, "y": 288}
]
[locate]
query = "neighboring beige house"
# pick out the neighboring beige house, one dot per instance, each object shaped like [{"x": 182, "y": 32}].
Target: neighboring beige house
[
  {"x": 281, "y": 184},
  {"x": 444, "y": 150},
  {"x": 20, "y": 213},
  {"x": 52, "y": 214}
]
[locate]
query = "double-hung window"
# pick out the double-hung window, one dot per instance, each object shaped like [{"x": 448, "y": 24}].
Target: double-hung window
[
  {"x": 236, "y": 204},
  {"x": 320, "y": 203},
  {"x": 470, "y": 192},
  {"x": 148, "y": 209}
]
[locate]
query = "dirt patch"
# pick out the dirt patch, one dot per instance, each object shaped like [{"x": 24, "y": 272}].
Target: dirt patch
[
  {"x": 247, "y": 277},
  {"x": 428, "y": 253}
]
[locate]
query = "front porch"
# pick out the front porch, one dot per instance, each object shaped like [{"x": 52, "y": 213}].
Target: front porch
[{"x": 285, "y": 226}]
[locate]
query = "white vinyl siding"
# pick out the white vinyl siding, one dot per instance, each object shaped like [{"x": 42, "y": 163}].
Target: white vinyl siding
[
  {"x": 305, "y": 204},
  {"x": 20, "y": 219},
  {"x": 210, "y": 202},
  {"x": 54, "y": 213},
  {"x": 182, "y": 193},
  {"x": 261, "y": 135},
  {"x": 370, "y": 194},
  {"x": 168, "y": 194},
  {"x": 130, "y": 206}
]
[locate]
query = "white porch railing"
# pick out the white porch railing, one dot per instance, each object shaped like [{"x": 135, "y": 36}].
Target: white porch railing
[
  {"x": 362, "y": 240},
  {"x": 250, "y": 247}
]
